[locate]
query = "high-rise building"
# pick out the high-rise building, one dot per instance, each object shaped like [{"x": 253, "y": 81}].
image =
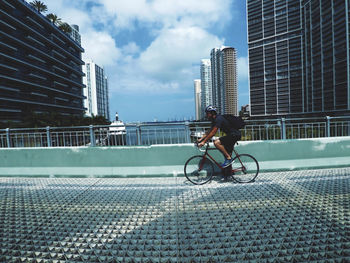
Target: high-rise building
[
  {"x": 298, "y": 57},
  {"x": 206, "y": 85},
  {"x": 217, "y": 79},
  {"x": 197, "y": 97},
  {"x": 96, "y": 92},
  {"x": 224, "y": 79},
  {"x": 40, "y": 65},
  {"x": 229, "y": 59}
]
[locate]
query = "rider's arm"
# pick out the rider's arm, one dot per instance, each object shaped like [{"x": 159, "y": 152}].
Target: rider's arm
[
  {"x": 208, "y": 136},
  {"x": 205, "y": 135}
]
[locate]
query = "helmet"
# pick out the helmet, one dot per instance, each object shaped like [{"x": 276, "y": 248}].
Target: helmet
[{"x": 210, "y": 108}]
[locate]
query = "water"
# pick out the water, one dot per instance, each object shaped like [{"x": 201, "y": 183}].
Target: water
[{"x": 157, "y": 134}]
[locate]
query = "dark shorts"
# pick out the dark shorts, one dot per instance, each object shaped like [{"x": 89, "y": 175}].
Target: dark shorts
[{"x": 229, "y": 141}]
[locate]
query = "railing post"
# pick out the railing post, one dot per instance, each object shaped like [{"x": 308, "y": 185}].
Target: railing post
[
  {"x": 188, "y": 132},
  {"x": 138, "y": 134},
  {"x": 92, "y": 136},
  {"x": 48, "y": 136},
  {"x": 8, "y": 139},
  {"x": 328, "y": 126},
  {"x": 283, "y": 127}
]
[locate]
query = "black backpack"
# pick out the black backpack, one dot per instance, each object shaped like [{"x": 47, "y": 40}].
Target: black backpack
[{"x": 234, "y": 121}]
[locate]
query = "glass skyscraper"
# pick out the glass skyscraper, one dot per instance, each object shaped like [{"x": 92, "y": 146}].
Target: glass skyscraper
[{"x": 298, "y": 57}]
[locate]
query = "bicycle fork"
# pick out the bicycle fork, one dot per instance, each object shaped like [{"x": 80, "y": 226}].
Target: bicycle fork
[
  {"x": 244, "y": 169},
  {"x": 202, "y": 163}
]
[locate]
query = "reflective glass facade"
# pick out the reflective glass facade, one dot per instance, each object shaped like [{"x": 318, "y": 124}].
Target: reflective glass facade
[
  {"x": 40, "y": 66},
  {"x": 298, "y": 56},
  {"x": 326, "y": 63}
]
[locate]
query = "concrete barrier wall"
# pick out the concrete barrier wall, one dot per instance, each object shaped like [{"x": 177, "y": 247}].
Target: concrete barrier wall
[{"x": 165, "y": 160}]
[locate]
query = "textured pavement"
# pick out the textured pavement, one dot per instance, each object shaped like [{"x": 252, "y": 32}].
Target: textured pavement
[{"x": 301, "y": 216}]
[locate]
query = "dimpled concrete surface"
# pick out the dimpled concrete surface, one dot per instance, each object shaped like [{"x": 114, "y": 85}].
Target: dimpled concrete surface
[{"x": 301, "y": 216}]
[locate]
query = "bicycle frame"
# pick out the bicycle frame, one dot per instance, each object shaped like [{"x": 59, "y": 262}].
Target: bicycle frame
[{"x": 242, "y": 168}]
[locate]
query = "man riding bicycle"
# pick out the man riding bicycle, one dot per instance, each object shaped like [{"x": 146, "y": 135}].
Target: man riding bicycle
[{"x": 225, "y": 143}]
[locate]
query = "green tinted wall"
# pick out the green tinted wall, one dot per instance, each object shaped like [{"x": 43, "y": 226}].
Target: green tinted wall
[{"x": 167, "y": 160}]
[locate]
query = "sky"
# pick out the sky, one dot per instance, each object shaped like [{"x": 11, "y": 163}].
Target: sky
[{"x": 151, "y": 49}]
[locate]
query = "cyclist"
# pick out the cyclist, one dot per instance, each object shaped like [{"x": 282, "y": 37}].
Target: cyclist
[{"x": 224, "y": 144}]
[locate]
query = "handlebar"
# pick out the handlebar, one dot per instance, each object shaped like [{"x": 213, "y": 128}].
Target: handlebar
[{"x": 204, "y": 148}]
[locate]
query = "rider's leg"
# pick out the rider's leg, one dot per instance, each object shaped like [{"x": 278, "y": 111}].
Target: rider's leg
[{"x": 222, "y": 149}]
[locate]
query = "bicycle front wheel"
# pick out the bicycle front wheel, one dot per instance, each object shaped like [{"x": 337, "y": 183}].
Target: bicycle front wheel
[
  {"x": 199, "y": 169},
  {"x": 245, "y": 168}
]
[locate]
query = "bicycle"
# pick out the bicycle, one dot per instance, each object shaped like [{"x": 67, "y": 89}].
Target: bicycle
[{"x": 199, "y": 169}]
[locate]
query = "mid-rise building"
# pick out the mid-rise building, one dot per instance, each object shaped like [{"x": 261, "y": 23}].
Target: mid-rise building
[
  {"x": 206, "y": 85},
  {"x": 197, "y": 97},
  {"x": 224, "y": 80},
  {"x": 40, "y": 65},
  {"x": 96, "y": 92},
  {"x": 299, "y": 57},
  {"x": 75, "y": 33}
]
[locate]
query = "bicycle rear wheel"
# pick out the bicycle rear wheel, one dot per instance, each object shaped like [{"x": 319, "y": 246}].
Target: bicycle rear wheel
[
  {"x": 199, "y": 169},
  {"x": 245, "y": 168}
]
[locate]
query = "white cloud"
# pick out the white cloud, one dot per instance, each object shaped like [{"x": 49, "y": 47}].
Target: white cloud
[
  {"x": 168, "y": 65},
  {"x": 54, "y": 6},
  {"x": 130, "y": 80},
  {"x": 166, "y": 12},
  {"x": 174, "y": 51},
  {"x": 131, "y": 48},
  {"x": 77, "y": 17},
  {"x": 100, "y": 47}
]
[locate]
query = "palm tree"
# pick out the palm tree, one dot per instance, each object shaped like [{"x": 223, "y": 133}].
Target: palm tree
[
  {"x": 65, "y": 27},
  {"x": 54, "y": 19},
  {"x": 39, "y": 6}
]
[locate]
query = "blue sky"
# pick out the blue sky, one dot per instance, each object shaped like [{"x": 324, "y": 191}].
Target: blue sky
[{"x": 151, "y": 49}]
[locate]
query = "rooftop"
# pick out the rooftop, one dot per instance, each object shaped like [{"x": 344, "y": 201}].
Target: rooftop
[{"x": 282, "y": 217}]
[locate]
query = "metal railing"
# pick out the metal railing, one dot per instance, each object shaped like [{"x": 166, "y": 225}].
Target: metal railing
[
  {"x": 102, "y": 135},
  {"x": 169, "y": 133},
  {"x": 300, "y": 128}
]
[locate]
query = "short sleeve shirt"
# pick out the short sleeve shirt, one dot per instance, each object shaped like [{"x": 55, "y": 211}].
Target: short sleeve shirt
[{"x": 223, "y": 124}]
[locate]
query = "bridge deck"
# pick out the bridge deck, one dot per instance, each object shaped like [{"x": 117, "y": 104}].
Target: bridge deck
[{"x": 282, "y": 217}]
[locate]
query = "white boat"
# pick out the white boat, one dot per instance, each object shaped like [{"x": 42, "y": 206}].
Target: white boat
[{"x": 117, "y": 132}]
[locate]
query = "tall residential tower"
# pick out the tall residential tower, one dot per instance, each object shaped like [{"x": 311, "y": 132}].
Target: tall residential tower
[
  {"x": 224, "y": 79},
  {"x": 96, "y": 92},
  {"x": 206, "y": 85},
  {"x": 197, "y": 97}
]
